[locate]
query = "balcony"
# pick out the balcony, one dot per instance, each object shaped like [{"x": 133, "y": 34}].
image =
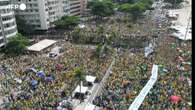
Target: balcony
[
  {"x": 5, "y": 7},
  {"x": 1, "y": 37},
  {"x": 10, "y": 28},
  {"x": 11, "y": 35},
  {"x": 2, "y": 44},
  {"x": 9, "y": 21},
  {"x": 7, "y": 14}
]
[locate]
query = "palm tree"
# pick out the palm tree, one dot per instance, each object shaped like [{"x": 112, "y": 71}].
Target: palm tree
[{"x": 79, "y": 75}]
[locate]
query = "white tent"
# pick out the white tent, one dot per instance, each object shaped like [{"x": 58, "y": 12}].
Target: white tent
[
  {"x": 181, "y": 32},
  {"x": 81, "y": 89},
  {"x": 173, "y": 12},
  {"x": 90, "y": 79},
  {"x": 182, "y": 36},
  {"x": 90, "y": 107},
  {"x": 148, "y": 50},
  {"x": 81, "y": 26}
]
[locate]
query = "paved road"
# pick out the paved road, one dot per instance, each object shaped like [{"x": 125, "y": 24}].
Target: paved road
[
  {"x": 102, "y": 83},
  {"x": 97, "y": 89},
  {"x": 184, "y": 14}
]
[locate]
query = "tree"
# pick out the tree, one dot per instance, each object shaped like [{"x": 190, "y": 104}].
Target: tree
[
  {"x": 16, "y": 45},
  {"x": 76, "y": 35},
  {"x": 101, "y": 8},
  {"x": 125, "y": 7},
  {"x": 125, "y": 1},
  {"x": 98, "y": 50},
  {"x": 67, "y": 22},
  {"x": 174, "y": 2},
  {"x": 136, "y": 8},
  {"x": 23, "y": 27},
  {"x": 79, "y": 75},
  {"x": 81, "y": 35}
]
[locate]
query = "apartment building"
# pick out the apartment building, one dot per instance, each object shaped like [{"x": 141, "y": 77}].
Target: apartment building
[
  {"x": 41, "y": 13},
  {"x": 8, "y": 27},
  {"x": 75, "y": 7},
  {"x": 83, "y": 6}
]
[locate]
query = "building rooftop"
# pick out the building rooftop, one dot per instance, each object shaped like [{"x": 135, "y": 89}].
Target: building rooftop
[{"x": 41, "y": 45}]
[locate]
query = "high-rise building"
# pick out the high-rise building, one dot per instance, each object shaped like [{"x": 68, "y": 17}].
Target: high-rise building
[
  {"x": 75, "y": 7},
  {"x": 83, "y": 6},
  {"x": 41, "y": 13},
  {"x": 8, "y": 26}
]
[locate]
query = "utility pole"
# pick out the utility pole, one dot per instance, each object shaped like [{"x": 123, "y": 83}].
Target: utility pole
[{"x": 2, "y": 30}]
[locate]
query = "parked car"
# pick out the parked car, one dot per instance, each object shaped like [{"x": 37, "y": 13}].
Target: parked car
[{"x": 53, "y": 55}]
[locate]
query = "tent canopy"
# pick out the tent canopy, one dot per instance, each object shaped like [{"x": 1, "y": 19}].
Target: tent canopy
[
  {"x": 181, "y": 32},
  {"x": 90, "y": 79},
  {"x": 41, "y": 74},
  {"x": 34, "y": 82},
  {"x": 50, "y": 78},
  {"x": 33, "y": 69},
  {"x": 175, "y": 99},
  {"x": 81, "y": 89}
]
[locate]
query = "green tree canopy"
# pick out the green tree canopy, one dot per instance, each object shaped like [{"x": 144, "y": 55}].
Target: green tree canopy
[
  {"x": 174, "y": 2},
  {"x": 23, "y": 27},
  {"x": 79, "y": 75},
  {"x": 16, "y": 45},
  {"x": 67, "y": 22},
  {"x": 136, "y": 9},
  {"x": 101, "y": 8},
  {"x": 125, "y": 7}
]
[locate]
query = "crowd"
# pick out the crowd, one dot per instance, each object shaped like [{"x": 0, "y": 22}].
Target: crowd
[
  {"x": 37, "y": 81},
  {"x": 129, "y": 76},
  {"x": 172, "y": 89}
]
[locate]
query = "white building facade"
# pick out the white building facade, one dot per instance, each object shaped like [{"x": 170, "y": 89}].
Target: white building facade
[
  {"x": 42, "y": 13},
  {"x": 8, "y": 27}
]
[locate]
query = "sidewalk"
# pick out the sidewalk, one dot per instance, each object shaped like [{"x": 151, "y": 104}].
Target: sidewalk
[
  {"x": 97, "y": 89},
  {"x": 184, "y": 14}
]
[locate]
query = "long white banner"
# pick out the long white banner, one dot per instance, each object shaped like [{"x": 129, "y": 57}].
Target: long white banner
[{"x": 140, "y": 98}]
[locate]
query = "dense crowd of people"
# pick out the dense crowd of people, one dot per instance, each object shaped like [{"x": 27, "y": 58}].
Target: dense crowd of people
[
  {"x": 172, "y": 89},
  {"x": 37, "y": 81},
  {"x": 129, "y": 76}
]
